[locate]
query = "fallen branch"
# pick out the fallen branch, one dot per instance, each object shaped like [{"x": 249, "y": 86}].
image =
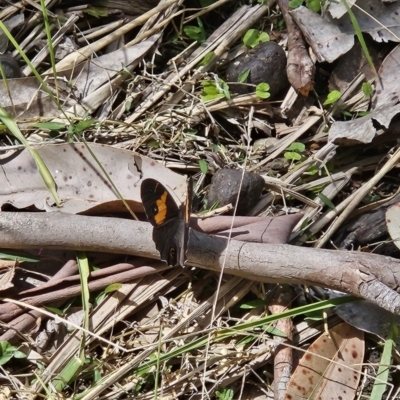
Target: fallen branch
[{"x": 369, "y": 276}]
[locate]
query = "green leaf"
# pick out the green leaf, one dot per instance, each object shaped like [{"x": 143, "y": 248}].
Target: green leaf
[
  {"x": 262, "y": 90},
  {"x": 207, "y": 58},
  {"x": 51, "y": 126},
  {"x": 7, "y": 351},
  {"x": 244, "y": 341},
  {"x": 314, "y": 5},
  {"x": 153, "y": 144},
  {"x": 292, "y": 155},
  {"x": 295, "y": 3},
  {"x": 190, "y": 131},
  {"x": 225, "y": 89},
  {"x": 297, "y": 146},
  {"x": 193, "y": 32},
  {"x": 97, "y": 12},
  {"x": 19, "y": 354},
  {"x": 347, "y": 114},
  {"x": 253, "y": 37},
  {"x": 254, "y": 304},
  {"x": 274, "y": 331},
  {"x": 326, "y": 201},
  {"x": 314, "y": 316},
  {"x": 243, "y": 76},
  {"x": 113, "y": 287},
  {"x": 83, "y": 125},
  {"x": 203, "y": 167},
  {"x": 332, "y": 97},
  {"x": 128, "y": 105},
  {"x": 196, "y": 32},
  {"x": 13, "y": 255},
  {"x": 212, "y": 92},
  {"x": 224, "y": 394},
  {"x": 97, "y": 376},
  {"x": 367, "y": 89},
  {"x": 54, "y": 310},
  {"x": 210, "y": 97},
  {"x": 312, "y": 170}
]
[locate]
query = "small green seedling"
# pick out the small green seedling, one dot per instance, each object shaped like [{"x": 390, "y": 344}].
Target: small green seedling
[
  {"x": 262, "y": 90},
  {"x": 253, "y": 37},
  {"x": 7, "y": 352},
  {"x": 213, "y": 90},
  {"x": 196, "y": 32},
  {"x": 293, "y": 152},
  {"x": 333, "y": 97}
]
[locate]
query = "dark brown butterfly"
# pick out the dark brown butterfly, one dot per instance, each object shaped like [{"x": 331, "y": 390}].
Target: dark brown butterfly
[{"x": 170, "y": 220}]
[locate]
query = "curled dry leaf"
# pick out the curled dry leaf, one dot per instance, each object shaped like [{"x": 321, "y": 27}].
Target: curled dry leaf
[
  {"x": 81, "y": 184},
  {"x": 249, "y": 229},
  {"x": 368, "y": 317},
  {"x": 362, "y": 130},
  {"x": 330, "y": 368},
  {"x": 7, "y": 272},
  {"x": 388, "y": 84}
]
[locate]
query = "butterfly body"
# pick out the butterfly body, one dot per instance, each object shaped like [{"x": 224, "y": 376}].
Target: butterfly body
[{"x": 170, "y": 221}]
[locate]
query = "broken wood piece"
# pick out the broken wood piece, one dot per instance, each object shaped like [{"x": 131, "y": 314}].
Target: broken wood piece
[{"x": 355, "y": 273}]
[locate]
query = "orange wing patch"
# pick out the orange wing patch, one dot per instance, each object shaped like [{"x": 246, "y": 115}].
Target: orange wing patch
[{"x": 162, "y": 209}]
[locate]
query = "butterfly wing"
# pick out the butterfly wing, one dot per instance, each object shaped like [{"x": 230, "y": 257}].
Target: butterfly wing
[
  {"x": 158, "y": 204},
  {"x": 169, "y": 240},
  {"x": 167, "y": 219}
]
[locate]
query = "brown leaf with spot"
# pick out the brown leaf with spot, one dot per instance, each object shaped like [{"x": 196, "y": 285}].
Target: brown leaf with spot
[
  {"x": 81, "y": 184},
  {"x": 330, "y": 368}
]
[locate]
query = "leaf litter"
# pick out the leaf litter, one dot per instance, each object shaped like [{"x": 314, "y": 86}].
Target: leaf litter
[{"x": 147, "y": 107}]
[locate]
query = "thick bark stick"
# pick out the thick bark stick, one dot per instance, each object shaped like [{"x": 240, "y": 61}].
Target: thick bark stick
[{"x": 370, "y": 276}]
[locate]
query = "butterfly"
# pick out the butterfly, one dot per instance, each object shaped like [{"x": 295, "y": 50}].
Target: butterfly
[{"x": 170, "y": 221}]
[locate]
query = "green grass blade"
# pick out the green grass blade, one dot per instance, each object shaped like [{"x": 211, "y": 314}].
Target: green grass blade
[
  {"x": 83, "y": 265},
  {"x": 380, "y": 385},
  {"x": 360, "y": 36},
  {"x": 243, "y": 328},
  {"x": 75, "y": 364}
]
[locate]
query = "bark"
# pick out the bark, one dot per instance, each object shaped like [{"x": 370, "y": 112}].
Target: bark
[
  {"x": 283, "y": 360},
  {"x": 369, "y": 276}
]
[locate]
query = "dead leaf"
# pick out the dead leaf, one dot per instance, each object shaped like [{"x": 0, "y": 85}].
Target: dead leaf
[
  {"x": 381, "y": 21},
  {"x": 362, "y": 130},
  {"x": 338, "y": 9},
  {"x": 96, "y": 72},
  {"x": 5, "y": 393},
  {"x": 6, "y": 276},
  {"x": 249, "y": 229},
  {"x": 368, "y": 317},
  {"x": 27, "y": 99},
  {"x": 327, "y": 40},
  {"x": 388, "y": 85},
  {"x": 81, "y": 184},
  {"x": 330, "y": 368}
]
